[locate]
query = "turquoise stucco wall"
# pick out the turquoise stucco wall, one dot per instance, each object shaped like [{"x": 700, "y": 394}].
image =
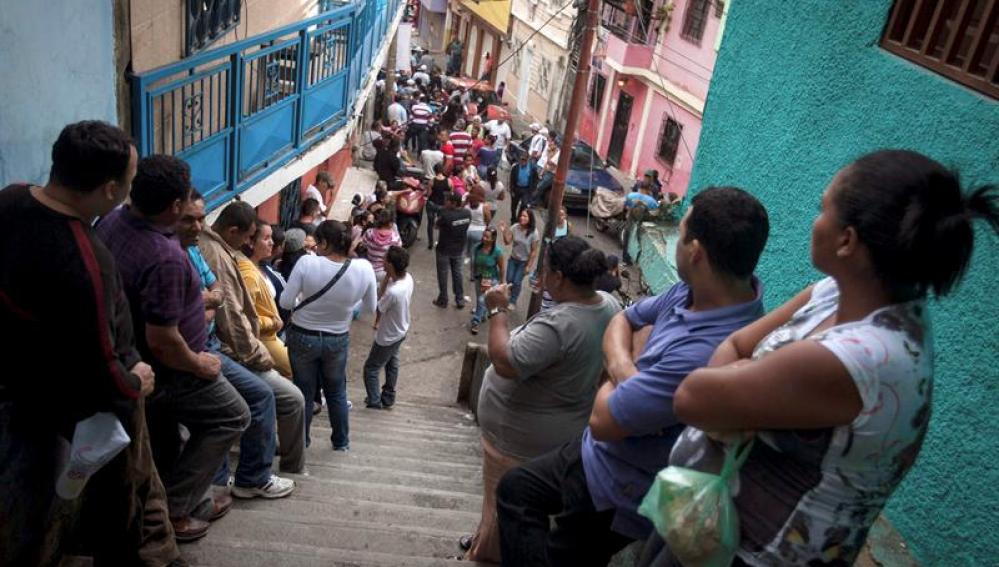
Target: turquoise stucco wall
[
  {"x": 799, "y": 90},
  {"x": 58, "y": 63}
]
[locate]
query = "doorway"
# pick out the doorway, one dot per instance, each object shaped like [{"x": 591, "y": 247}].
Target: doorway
[{"x": 619, "y": 132}]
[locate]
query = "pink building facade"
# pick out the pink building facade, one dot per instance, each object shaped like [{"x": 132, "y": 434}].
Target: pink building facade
[{"x": 649, "y": 83}]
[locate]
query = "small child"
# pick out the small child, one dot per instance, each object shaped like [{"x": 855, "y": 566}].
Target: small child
[{"x": 391, "y": 326}]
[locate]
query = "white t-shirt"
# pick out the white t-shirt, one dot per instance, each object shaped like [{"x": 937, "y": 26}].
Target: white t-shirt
[
  {"x": 313, "y": 193},
  {"x": 538, "y": 144},
  {"x": 501, "y": 131},
  {"x": 394, "y": 309},
  {"x": 334, "y": 310},
  {"x": 397, "y": 113},
  {"x": 430, "y": 158}
]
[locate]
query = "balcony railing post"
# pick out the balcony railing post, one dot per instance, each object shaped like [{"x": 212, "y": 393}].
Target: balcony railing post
[
  {"x": 140, "y": 116},
  {"x": 235, "y": 117},
  {"x": 302, "y": 85}
]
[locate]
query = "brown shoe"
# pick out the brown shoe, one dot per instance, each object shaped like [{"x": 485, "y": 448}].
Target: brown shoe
[
  {"x": 188, "y": 529},
  {"x": 221, "y": 504}
]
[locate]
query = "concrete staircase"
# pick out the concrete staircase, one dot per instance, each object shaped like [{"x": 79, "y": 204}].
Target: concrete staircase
[{"x": 404, "y": 494}]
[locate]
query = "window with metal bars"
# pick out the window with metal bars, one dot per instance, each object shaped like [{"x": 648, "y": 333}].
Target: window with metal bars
[
  {"x": 956, "y": 38},
  {"x": 597, "y": 91},
  {"x": 694, "y": 20},
  {"x": 207, "y": 21},
  {"x": 669, "y": 140}
]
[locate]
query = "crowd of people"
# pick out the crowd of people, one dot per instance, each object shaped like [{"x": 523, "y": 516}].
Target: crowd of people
[
  {"x": 195, "y": 337},
  {"x": 188, "y": 337}
]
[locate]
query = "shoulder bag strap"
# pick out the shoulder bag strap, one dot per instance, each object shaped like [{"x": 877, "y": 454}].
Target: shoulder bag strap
[{"x": 320, "y": 293}]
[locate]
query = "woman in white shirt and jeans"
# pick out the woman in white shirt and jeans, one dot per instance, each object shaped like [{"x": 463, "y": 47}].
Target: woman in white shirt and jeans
[{"x": 317, "y": 338}]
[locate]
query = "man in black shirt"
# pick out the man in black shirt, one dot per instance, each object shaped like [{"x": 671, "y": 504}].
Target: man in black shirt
[
  {"x": 72, "y": 354},
  {"x": 452, "y": 224}
]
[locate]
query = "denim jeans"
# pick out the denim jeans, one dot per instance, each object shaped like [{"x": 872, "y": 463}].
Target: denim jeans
[
  {"x": 259, "y": 442},
  {"x": 553, "y": 484},
  {"x": 543, "y": 185},
  {"x": 472, "y": 239},
  {"x": 450, "y": 264},
  {"x": 290, "y": 405},
  {"x": 515, "y": 271},
  {"x": 480, "y": 303},
  {"x": 382, "y": 357},
  {"x": 321, "y": 360}
]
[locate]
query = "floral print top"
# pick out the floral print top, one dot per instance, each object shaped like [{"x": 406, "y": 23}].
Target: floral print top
[{"x": 809, "y": 497}]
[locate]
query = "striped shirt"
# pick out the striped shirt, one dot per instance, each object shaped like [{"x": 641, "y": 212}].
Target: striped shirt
[
  {"x": 462, "y": 142},
  {"x": 421, "y": 114}
]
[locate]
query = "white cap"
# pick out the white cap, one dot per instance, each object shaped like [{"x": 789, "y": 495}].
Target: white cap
[
  {"x": 543, "y": 132},
  {"x": 535, "y": 126},
  {"x": 411, "y": 82},
  {"x": 476, "y": 118},
  {"x": 423, "y": 67}
]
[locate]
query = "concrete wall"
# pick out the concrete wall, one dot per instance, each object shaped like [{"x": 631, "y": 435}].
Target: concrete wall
[
  {"x": 782, "y": 117},
  {"x": 158, "y": 27},
  {"x": 60, "y": 68}
]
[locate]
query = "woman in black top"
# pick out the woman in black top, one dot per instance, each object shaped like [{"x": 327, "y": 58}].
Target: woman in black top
[{"x": 440, "y": 186}]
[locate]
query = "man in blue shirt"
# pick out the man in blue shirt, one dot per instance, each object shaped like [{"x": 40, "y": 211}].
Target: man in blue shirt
[{"x": 594, "y": 485}]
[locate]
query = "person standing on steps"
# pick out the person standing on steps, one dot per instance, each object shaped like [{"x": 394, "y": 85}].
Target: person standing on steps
[
  {"x": 322, "y": 293},
  {"x": 452, "y": 226},
  {"x": 523, "y": 180},
  {"x": 391, "y": 326}
]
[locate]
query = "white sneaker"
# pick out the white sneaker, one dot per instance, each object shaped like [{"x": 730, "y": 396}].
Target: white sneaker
[{"x": 276, "y": 487}]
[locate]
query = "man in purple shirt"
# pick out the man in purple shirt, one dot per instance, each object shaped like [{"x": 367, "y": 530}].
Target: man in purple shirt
[
  {"x": 164, "y": 293},
  {"x": 594, "y": 485}
]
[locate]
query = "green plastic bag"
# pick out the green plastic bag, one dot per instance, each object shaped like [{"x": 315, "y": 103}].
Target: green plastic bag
[{"x": 693, "y": 511}]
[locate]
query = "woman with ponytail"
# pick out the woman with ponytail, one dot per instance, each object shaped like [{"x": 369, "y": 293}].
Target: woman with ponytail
[
  {"x": 322, "y": 293},
  {"x": 538, "y": 392},
  {"x": 837, "y": 383}
]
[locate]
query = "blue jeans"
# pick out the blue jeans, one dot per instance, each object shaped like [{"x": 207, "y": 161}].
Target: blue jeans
[
  {"x": 480, "y": 303},
  {"x": 259, "y": 442},
  {"x": 515, "y": 271},
  {"x": 321, "y": 360},
  {"x": 379, "y": 357}
]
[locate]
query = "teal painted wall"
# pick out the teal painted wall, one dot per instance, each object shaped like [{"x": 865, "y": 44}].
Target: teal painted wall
[{"x": 799, "y": 90}]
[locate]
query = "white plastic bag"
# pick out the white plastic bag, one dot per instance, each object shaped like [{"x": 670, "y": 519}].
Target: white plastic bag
[{"x": 96, "y": 441}]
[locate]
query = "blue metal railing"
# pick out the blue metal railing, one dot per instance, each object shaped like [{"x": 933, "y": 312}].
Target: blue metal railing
[{"x": 238, "y": 112}]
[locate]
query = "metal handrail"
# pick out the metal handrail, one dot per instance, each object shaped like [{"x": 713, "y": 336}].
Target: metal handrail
[{"x": 237, "y": 112}]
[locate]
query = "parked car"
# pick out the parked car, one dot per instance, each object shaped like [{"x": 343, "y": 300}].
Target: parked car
[{"x": 582, "y": 180}]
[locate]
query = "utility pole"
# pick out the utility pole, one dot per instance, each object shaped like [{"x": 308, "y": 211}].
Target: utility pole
[{"x": 568, "y": 139}]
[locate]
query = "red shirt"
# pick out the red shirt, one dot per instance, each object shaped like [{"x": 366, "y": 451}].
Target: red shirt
[
  {"x": 448, "y": 150},
  {"x": 476, "y": 144}
]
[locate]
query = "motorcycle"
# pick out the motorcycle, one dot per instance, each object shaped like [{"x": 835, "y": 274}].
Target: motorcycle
[{"x": 410, "y": 198}]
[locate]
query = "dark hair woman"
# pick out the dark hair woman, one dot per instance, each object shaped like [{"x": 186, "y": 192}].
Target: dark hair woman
[
  {"x": 488, "y": 269},
  {"x": 838, "y": 381},
  {"x": 322, "y": 293},
  {"x": 262, "y": 292},
  {"x": 524, "y": 239},
  {"x": 538, "y": 392}
]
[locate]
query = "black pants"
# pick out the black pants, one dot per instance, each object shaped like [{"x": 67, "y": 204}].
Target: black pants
[
  {"x": 432, "y": 210},
  {"x": 453, "y": 265},
  {"x": 553, "y": 485},
  {"x": 518, "y": 195}
]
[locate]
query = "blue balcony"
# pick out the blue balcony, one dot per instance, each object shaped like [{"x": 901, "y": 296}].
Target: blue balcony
[{"x": 238, "y": 112}]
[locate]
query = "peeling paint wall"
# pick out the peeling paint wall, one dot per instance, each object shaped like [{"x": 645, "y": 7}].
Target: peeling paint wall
[
  {"x": 799, "y": 90},
  {"x": 59, "y": 68}
]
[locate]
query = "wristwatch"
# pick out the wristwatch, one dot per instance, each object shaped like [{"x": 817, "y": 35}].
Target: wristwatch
[{"x": 496, "y": 310}]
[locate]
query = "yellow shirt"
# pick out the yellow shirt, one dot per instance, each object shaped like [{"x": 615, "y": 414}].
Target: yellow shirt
[{"x": 263, "y": 301}]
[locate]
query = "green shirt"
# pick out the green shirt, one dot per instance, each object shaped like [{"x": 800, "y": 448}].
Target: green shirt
[{"x": 486, "y": 265}]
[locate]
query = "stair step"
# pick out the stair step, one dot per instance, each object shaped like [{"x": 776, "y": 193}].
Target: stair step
[
  {"x": 469, "y": 482},
  {"x": 365, "y": 445},
  {"x": 393, "y": 513},
  {"x": 413, "y": 495},
  {"x": 240, "y": 552},
  {"x": 391, "y": 460}
]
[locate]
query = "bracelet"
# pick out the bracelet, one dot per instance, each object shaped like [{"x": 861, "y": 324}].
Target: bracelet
[{"x": 497, "y": 310}]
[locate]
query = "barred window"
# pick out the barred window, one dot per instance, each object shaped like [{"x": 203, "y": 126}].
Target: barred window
[
  {"x": 694, "y": 20},
  {"x": 956, "y": 38},
  {"x": 209, "y": 20},
  {"x": 669, "y": 140},
  {"x": 597, "y": 91}
]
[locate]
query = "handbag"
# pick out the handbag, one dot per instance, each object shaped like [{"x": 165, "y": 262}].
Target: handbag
[{"x": 330, "y": 284}]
